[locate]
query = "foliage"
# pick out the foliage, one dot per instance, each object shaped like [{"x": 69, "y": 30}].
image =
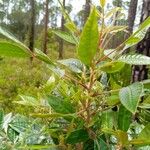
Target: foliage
[{"x": 82, "y": 102}]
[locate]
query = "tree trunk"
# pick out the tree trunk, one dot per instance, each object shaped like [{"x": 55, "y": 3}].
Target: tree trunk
[
  {"x": 141, "y": 72},
  {"x": 132, "y": 15},
  {"x": 32, "y": 26},
  {"x": 87, "y": 10},
  {"x": 61, "y": 43},
  {"x": 46, "y": 27},
  {"x": 117, "y": 3}
]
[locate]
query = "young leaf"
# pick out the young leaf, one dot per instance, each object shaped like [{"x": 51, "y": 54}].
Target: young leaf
[
  {"x": 112, "y": 12},
  {"x": 124, "y": 118},
  {"x": 102, "y": 3},
  {"x": 13, "y": 50},
  {"x": 77, "y": 136},
  {"x": 65, "y": 36},
  {"x": 89, "y": 39},
  {"x": 122, "y": 138},
  {"x": 130, "y": 96},
  {"x": 136, "y": 59}
]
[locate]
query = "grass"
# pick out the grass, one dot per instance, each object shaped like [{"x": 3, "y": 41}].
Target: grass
[{"x": 19, "y": 76}]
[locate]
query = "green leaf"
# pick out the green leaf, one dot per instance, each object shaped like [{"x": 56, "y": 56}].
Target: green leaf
[
  {"x": 53, "y": 115},
  {"x": 145, "y": 133},
  {"x": 136, "y": 59},
  {"x": 143, "y": 138},
  {"x": 7, "y": 119},
  {"x": 41, "y": 56},
  {"x": 11, "y": 37},
  {"x": 113, "y": 11},
  {"x": 110, "y": 53},
  {"x": 1, "y": 118},
  {"x": 66, "y": 36},
  {"x": 28, "y": 101},
  {"x": 40, "y": 147},
  {"x": 138, "y": 35},
  {"x": 124, "y": 118},
  {"x": 89, "y": 39},
  {"x": 13, "y": 50},
  {"x": 77, "y": 136},
  {"x": 108, "y": 119},
  {"x": 112, "y": 67},
  {"x": 60, "y": 105},
  {"x": 122, "y": 137},
  {"x": 99, "y": 143},
  {"x": 102, "y": 3},
  {"x": 130, "y": 96},
  {"x": 71, "y": 26},
  {"x": 74, "y": 65},
  {"x": 115, "y": 29},
  {"x": 113, "y": 99}
]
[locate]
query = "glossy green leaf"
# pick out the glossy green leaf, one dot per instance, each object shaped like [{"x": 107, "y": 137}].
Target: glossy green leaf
[
  {"x": 60, "y": 105},
  {"x": 89, "y": 39},
  {"x": 13, "y": 50},
  {"x": 66, "y": 36},
  {"x": 74, "y": 65},
  {"x": 112, "y": 67},
  {"x": 130, "y": 96},
  {"x": 124, "y": 118},
  {"x": 41, "y": 56},
  {"x": 138, "y": 35},
  {"x": 136, "y": 59},
  {"x": 77, "y": 136}
]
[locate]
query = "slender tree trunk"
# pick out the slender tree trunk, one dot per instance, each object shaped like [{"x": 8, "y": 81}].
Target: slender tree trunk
[
  {"x": 141, "y": 72},
  {"x": 32, "y": 26},
  {"x": 46, "y": 27},
  {"x": 87, "y": 10},
  {"x": 61, "y": 43},
  {"x": 132, "y": 15},
  {"x": 117, "y": 3}
]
